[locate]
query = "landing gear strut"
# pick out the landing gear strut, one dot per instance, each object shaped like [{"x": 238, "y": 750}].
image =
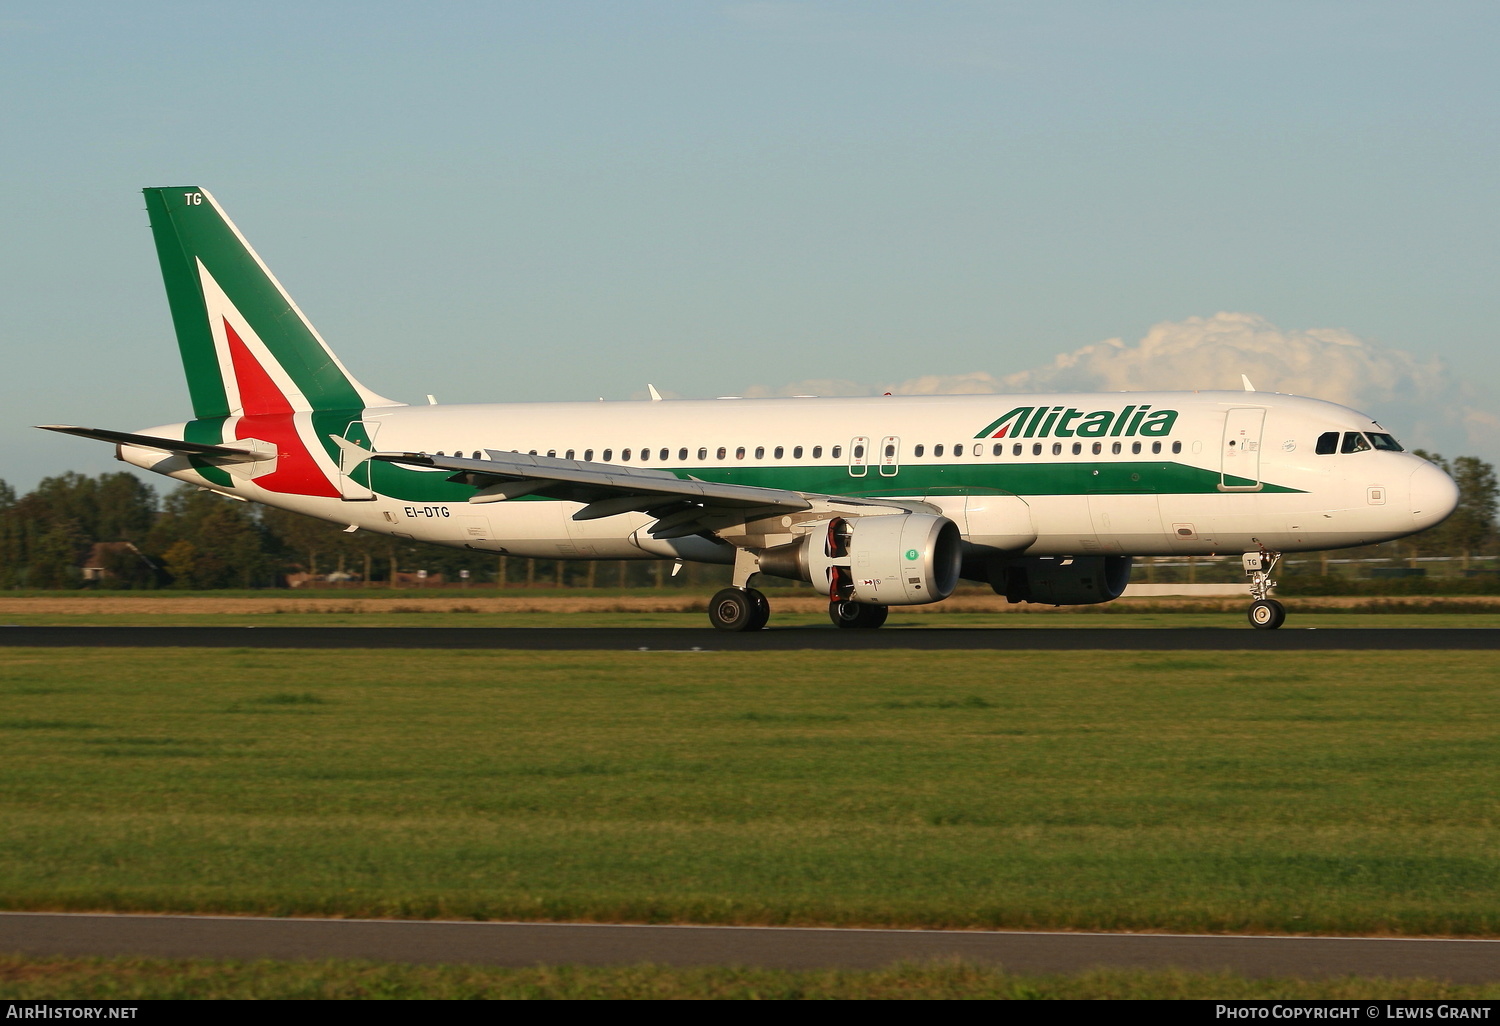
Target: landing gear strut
[{"x": 1266, "y": 614}]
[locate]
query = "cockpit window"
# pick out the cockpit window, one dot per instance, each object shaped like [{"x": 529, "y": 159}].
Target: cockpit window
[
  {"x": 1328, "y": 443},
  {"x": 1355, "y": 441},
  {"x": 1384, "y": 441}
]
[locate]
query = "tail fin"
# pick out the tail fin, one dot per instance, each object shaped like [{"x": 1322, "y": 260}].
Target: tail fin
[{"x": 245, "y": 346}]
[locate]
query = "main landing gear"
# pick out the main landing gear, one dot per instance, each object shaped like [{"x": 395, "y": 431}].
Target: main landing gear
[
  {"x": 742, "y": 608},
  {"x": 739, "y": 609},
  {"x": 859, "y": 615},
  {"x": 1266, "y": 614}
]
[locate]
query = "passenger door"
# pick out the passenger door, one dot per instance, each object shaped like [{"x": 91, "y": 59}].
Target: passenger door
[
  {"x": 1240, "y": 453},
  {"x": 354, "y": 470}
]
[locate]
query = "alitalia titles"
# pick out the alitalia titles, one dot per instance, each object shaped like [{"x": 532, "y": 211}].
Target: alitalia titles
[{"x": 1066, "y": 422}]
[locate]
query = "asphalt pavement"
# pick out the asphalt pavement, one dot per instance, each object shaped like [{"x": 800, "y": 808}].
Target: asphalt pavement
[
  {"x": 527, "y": 944},
  {"x": 776, "y": 640}
]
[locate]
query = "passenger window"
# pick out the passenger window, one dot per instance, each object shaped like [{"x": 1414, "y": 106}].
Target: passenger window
[
  {"x": 1176, "y": 447},
  {"x": 797, "y": 453},
  {"x": 1116, "y": 448},
  {"x": 1057, "y": 448},
  {"x": 890, "y": 451},
  {"x": 1354, "y": 442},
  {"x": 1016, "y": 449},
  {"x": 682, "y": 454},
  {"x": 958, "y": 450},
  {"x": 777, "y": 452},
  {"x": 1328, "y": 443},
  {"x": 532, "y": 453},
  {"x": 859, "y": 452},
  {"x": 739, "y": 453},
  {"x": 1156, "y": 447},
  {"x": 702, "y": 454},
  {"x": 1098, "y": 448},
  {"x": 1135, "y": 448},
  {"x": 438, "y": 453},
  {"x": 588, "y": 455},
  {"x": 568, "y": 455},
  {"x": 723, "y": 452},
  {"x": 625, "y": 455},
  {"x": 919, "y": 450},
  {"x": 760, "y": 452},
  {"x": 817, "y": 452},
  {"x": 1077, "y": 448},
  {"x": 1036, "y": 448},
  {"x": 999, "y": 449},
  {"x": 836, "y": 452},
  {"x": 607, "y": 454},
  {"x": 937, "y": 450}
]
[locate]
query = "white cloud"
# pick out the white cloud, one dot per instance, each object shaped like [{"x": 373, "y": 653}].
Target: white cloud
[{"x": 1419, "y": 399}]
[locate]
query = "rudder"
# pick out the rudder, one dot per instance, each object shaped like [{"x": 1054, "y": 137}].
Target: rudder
[{"x": 246, "y": 347}]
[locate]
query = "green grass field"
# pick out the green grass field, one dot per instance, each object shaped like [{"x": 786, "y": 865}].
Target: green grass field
[
  {"x": 122, "y": 979},
  {"x": 1317, "y": 793}
]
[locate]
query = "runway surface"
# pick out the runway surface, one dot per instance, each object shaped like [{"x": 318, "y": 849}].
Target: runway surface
[
  {"x": 526, "y": 944},
  {"x": 785, "y": 639}
]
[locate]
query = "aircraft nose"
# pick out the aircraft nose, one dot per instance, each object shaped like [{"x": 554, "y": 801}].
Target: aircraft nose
[{"x": 1434, "y": 495}]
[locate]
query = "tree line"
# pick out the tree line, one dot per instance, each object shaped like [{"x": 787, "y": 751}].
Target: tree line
[{"x": 115, "y": 531}]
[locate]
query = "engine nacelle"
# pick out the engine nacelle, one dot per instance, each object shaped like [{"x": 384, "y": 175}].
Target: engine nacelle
[
  {"x": 1061, "y": 581},
  {"x": 897, "y": 559}
]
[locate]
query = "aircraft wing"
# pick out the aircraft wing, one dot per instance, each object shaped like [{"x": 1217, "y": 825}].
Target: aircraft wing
[
  {"x": 681, "y": 506},
  {"x": 221, "y": 453}
]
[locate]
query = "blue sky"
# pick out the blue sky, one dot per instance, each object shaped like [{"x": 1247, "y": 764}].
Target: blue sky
[{"x": 538, "y": 201}]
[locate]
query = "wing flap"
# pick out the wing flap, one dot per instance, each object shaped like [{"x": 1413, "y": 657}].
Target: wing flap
[{"x": 605, "y": 488}]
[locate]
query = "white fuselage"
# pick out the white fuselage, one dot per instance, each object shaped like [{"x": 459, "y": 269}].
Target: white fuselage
[{"x": 1234, "y": 472}]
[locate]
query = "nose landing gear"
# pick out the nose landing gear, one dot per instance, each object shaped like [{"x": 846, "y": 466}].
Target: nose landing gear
[{"x": 1266, "y": 614}]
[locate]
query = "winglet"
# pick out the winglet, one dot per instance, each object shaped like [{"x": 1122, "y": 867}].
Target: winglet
[
  {"x": 1246, "y": 379},
  {"x": 655, "y": 395}
]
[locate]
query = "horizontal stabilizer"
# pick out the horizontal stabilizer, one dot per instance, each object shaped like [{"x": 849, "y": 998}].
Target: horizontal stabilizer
[{"x": 225, "y": 453}]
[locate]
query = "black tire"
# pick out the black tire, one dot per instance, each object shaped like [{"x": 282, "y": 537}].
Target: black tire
[
  {"x": 1267, "y": 614},
  {"x": 857, "y": 615},
  {"x": 733, "y": 610},
  {"x": 762, "y": 610}
]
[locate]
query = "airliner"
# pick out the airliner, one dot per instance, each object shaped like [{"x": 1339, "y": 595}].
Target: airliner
[{"x": 876, "y": 501}]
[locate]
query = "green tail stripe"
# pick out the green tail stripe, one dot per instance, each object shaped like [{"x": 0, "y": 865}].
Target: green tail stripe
[{"x": 188, "y": 226}]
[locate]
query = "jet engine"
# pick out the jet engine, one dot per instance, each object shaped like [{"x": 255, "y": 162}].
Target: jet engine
[
  {"x": 1061, "y": 580},
  {"x": 897, "y": 559}
]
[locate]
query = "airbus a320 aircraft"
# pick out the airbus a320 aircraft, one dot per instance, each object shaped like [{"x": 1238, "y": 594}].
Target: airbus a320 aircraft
[{"x": 881, "y": 502}]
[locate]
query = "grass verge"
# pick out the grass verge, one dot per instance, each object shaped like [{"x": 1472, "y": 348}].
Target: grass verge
[{"x": 1215, "y": 792}]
